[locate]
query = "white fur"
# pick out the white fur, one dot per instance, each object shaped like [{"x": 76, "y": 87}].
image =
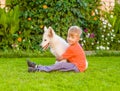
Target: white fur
[{"x": 57, "y": 44}]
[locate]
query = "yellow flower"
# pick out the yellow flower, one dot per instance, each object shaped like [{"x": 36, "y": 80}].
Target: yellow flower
[
  {"x": 19, "y": 32},
  {"x": 92, "y": 13},
  {"x": 19, "y": 39},
  {"x": 41, "y": 26},
  {"x": 29, "y": 19},
  {"x": 95, "y": 18},
  {"x": 45, "y": 6}
]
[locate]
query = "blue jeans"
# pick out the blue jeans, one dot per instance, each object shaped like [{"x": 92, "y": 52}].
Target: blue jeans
[{"x": 59, "y": 66}]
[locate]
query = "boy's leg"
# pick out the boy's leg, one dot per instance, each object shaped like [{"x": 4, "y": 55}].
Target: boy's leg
[{"x": 60, "y": 66}]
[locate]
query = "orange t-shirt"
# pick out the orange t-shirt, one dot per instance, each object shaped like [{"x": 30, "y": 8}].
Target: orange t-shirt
[{"x": 75, "y": 54}]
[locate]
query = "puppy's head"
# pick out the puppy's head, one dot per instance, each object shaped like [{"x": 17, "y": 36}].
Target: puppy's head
[{"x": 47, "y": 36}]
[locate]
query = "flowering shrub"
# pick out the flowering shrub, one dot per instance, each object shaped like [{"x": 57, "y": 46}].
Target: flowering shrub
[
  {"x": 99, "y": 33},
  {"x": 39, "y": 13},
  {"x": 107, "y": 37},
  {"x": 102, "y": 40}
]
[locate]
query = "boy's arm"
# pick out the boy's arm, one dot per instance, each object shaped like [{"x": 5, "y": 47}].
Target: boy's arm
[{"x": 60, "y": 58}]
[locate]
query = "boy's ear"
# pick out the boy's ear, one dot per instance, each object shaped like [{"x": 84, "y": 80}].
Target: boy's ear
[{"x": 45, "y": 28}]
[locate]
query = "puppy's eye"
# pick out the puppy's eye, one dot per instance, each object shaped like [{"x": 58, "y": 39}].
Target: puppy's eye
[{"x": 45, "y": 39}]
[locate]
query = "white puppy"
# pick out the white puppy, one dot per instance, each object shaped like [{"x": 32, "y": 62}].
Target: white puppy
[{"x": 57, "y": 44}]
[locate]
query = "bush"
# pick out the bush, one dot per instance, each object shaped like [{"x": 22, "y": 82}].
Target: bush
[
  {"x": 61, "y": 14},
  {"x": 9, "y": 24},
  {"x": 111, "y": 28},
  {"x": 58, "y": 14}
]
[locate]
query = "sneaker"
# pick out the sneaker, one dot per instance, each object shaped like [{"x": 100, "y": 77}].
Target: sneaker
[
  {"x": 31, "y": 64},
  {"x": 31, "y": 69}
]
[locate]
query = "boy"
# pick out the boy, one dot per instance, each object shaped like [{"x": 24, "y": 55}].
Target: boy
[{"x": 74, "y": 54}]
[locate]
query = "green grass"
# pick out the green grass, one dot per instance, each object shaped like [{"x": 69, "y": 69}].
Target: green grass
[{"x": 103, "y": 74}]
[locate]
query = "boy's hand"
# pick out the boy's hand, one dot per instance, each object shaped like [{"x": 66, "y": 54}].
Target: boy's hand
[{"x": 59, "y": 58}]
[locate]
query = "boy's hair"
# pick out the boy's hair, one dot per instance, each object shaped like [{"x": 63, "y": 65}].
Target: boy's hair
[{"x": 75, "y": 29}]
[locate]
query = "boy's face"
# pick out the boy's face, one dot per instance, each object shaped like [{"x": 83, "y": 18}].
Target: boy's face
[{"x": 72, "y": 38}]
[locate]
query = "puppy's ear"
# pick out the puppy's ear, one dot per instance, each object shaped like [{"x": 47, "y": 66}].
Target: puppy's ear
[
  {"x": 51, "y": 32},
  {"x": 45, "y": 28}
]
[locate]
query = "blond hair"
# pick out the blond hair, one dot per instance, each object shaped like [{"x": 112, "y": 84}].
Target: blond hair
[{"x": 75, "y": 29}]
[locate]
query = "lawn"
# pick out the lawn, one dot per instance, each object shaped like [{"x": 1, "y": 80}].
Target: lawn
[{"x": 103, "y": 74}]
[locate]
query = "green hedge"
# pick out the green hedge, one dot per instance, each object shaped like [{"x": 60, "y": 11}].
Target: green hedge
[
  {"x": 98, "y": 33},
  {"x": 60, "y": 14}
]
